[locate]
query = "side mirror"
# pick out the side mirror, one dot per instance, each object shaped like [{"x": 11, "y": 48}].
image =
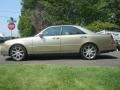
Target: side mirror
[{"x": 41, "y": 35}]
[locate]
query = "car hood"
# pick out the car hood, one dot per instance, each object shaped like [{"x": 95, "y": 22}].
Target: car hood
[{"x": 19, "y": 40}]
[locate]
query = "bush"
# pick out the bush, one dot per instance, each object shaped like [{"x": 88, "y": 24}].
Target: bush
[{"x": 98, "y": 26}]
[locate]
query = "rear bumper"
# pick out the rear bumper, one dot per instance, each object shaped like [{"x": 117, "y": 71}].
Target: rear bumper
[
  {"x": 109, "y": 48},
  {"x": 108, "y": 51}
]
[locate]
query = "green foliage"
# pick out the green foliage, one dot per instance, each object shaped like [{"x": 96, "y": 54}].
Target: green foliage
[
  {"x": 114, "y": 6},
  {"x": 43, "y": 13},
  {"x": 98, "y": 26},
  {"x": 25, "y": 27},
  {"x": 29, "y": 4}
]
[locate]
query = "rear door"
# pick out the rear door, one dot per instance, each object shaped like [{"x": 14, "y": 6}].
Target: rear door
[{"x": 70, "y": 39}]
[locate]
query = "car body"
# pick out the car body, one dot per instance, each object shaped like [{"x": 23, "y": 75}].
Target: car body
[
  {"x": 115, "y": 34},
  {"x": 60, "y": 39},
  {"x": 3, "y": 39}
]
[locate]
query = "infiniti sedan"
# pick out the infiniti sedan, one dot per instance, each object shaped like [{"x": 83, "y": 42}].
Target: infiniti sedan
[{"x": 60, "y": 39}]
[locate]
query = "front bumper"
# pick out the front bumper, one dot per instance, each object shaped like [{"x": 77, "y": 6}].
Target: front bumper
[{"x": 4, "y": 50}]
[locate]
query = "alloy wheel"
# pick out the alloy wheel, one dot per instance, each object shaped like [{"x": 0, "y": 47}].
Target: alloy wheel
[
  {"x": 89, "y": 51},
  {"x": 17, "y": 52}
]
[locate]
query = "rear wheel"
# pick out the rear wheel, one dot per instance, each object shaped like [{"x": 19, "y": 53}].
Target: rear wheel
[
  {"x": 18, "y": 52},
  {"x": 88, "y": 51}
]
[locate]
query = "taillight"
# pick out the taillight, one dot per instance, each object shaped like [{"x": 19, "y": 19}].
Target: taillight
[{"x": 113, "y": 41}]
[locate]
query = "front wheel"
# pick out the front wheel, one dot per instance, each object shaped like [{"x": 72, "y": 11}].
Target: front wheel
[
  {"x": 18, "y": 52},
  {"x": 88, "y": 51}
]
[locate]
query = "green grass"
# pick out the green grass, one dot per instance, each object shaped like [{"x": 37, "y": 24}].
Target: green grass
[{"x": 51, "y": 77}]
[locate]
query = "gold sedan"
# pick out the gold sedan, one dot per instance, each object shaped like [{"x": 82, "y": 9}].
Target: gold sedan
[{"x": 60, "y": 39}]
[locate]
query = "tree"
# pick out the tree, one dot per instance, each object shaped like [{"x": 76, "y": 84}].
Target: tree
[
  {"x": 25, "y": 27},
  {"x": 114, "y": 6},
  {"x": 44, "y": 13}
]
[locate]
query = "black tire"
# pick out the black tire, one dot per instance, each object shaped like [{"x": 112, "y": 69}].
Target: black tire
[
  {"x": 118, "y": 48},
  {"x": 18, "y": 52},
  {"x": 88, "y": 51}
]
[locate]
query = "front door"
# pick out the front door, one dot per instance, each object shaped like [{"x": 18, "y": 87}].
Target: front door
[{"x": 49, "y": 43}]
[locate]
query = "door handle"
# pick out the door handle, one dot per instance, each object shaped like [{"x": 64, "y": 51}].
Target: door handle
[
  {"x": 55, "y": 38},
  {"x": 83, "y": 37}
]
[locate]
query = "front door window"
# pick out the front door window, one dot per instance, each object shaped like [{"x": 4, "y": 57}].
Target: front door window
[{"x": 52, "y": 31}]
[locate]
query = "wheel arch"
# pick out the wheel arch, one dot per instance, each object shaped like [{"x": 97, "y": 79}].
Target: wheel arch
[
  {"x": 20, "y": 45},
  {"x": 89, "y": 43}
]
